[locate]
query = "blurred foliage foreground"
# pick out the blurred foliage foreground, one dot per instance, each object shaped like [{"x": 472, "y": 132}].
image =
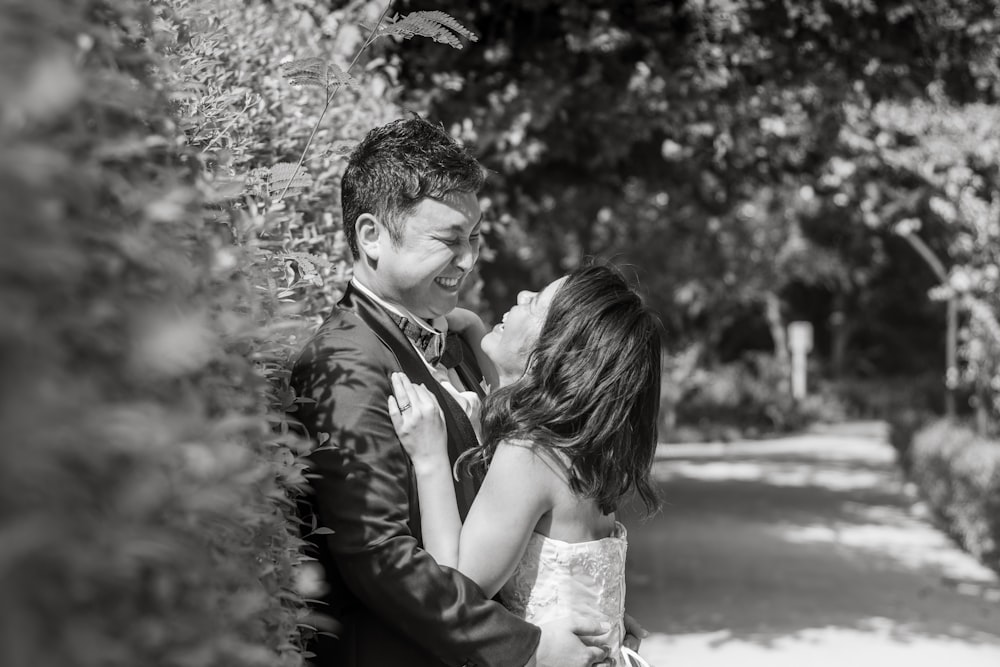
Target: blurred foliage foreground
[
  {"x": 155, "y": 281},
  {"x": 144, "y": 476}
]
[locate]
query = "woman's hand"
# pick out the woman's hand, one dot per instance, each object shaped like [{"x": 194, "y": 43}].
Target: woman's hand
[
  {"x": 419, "y": 424},
  {"x": 470, "y": 327}
]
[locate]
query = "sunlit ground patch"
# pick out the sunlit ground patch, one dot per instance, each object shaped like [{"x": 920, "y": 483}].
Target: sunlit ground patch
[
  {"x": 776, "y": 473},
  {"x": 889, "y": 533},
  {"x": 880, "y": 643}
]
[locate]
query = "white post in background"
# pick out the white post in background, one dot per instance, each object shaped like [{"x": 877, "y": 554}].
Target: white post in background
[{"x": 800, "y": 342}]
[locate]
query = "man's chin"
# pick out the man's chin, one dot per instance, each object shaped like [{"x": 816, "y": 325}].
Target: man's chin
[{"x": 439, "y": 308}]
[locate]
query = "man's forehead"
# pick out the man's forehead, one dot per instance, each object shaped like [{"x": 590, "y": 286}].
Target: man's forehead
[{"x": 466, "y": 203}]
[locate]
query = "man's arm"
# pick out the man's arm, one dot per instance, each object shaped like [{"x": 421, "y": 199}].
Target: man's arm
[{"x": 362, "y": 495}]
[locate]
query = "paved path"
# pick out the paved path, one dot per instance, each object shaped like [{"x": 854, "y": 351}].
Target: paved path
[{"x": 803, "y": 551}]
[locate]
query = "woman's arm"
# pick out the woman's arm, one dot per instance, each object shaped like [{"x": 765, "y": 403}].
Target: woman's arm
[
  {"x": 470, "y": 327},
  {"x": 419, "y": 423},
  {"x": 516, "y": 493}
]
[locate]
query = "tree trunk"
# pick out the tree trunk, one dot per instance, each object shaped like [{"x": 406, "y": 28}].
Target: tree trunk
[
  {"x": 840, "y": 336},
  {"x": 951, "y": 359},
  {"x": 777, "y": 325}
]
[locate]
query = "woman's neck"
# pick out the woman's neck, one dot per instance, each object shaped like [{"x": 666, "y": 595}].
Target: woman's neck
[{"x": 505, "y": 378}]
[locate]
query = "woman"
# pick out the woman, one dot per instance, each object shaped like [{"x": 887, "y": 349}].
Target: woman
[{"x": 569, "y": 433}]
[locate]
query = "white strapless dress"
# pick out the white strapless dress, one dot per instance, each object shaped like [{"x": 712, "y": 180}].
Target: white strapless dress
[{"x": 557, "y": 579}]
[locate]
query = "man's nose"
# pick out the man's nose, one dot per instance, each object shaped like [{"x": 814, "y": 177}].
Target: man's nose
[
  {"x": 466, "y": 256},
  {"x": 524, "y": 296}
]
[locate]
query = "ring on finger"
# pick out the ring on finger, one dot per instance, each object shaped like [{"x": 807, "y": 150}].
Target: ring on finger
[{"x": 404, "y": 408}]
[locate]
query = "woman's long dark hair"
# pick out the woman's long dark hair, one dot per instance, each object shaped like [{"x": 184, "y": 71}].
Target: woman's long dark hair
[{"x": 591, "y": 390}]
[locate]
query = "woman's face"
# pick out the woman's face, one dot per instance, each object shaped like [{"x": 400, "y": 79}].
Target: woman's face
[{"x": 511, "y": 341}]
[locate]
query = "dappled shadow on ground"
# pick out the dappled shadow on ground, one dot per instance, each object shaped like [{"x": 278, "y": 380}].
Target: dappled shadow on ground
[{"x": 759, "y": 545}]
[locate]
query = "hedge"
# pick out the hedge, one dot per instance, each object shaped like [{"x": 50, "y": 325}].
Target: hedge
[
  {"x": 145, "y": 475},
  {"x": 155, "y": 286},
  {"x": 958, "y": 474}
]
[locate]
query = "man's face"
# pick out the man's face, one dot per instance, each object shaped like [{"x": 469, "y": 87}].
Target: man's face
[{"x": 439, "y": 247}]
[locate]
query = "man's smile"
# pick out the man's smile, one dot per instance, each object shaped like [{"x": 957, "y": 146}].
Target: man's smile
[{"x": 448, "y": 283}]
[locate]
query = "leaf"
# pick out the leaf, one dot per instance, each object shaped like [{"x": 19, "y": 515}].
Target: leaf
[
  {"x": 316, "y": 72},
  {"x": 223, "y": 187},
  {"x": 437, "y": 25},
  {"x": 307, "y": 72},
  {"x": 307, "y": 266},
  {"x": 284, "y": 175},
  {"x": 342, "y": 77},
  {"x": 341, "y": 148}
]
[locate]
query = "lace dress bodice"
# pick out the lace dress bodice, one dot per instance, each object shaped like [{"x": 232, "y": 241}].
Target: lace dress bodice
[{"x": 557, "y": 579}]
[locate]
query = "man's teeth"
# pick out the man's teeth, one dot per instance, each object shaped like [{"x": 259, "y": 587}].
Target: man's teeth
[{"x": 448, "y": 282}]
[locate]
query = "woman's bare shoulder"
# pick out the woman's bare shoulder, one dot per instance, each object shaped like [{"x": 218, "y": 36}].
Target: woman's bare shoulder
[{"x": 524, "y": 456}]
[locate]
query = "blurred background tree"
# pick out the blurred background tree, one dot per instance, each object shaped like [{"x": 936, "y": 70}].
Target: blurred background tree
[{"x": 732, "y": 152}]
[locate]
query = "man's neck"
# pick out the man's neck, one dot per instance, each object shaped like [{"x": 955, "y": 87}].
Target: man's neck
[{"x": 364, "y": 286}]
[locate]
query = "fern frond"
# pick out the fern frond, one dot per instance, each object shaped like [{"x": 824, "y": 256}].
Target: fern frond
[
  {"x": 449, "y": 21},
  {"x": 316, "y": 72},
  {"x": 437, "y": 25},
  {"x": 341, "y": 77},
  {"x": 283, "y": 175},
  {"x": 307, "y": 72}
]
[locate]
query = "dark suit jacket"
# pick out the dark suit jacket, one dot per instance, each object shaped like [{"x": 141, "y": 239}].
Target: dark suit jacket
[{"x": 393, "y": 605}]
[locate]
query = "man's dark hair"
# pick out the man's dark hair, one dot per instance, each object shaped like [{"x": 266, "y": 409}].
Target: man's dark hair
[{"x": 396, "y": 166}]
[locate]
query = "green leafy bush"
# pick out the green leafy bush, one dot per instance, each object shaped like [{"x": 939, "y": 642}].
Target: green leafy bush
[
  {"x": 958, "y": 473},
  {"x": 274, "y": 96},
  {"x": 742, "y": 399},
  {"x": 883, "y": 397},
  {"x": 155, "y": 281},
  {"x": 145, "y": 470},
  {"x": 238, "y": 72}
]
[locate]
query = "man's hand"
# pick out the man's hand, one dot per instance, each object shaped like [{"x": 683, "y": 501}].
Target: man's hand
[
  {"x": 561, "y": 644},
  {"x": 634, "y": 633}
]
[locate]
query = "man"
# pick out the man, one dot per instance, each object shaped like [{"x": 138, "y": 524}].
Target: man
[{"x": 412, "y": 220}]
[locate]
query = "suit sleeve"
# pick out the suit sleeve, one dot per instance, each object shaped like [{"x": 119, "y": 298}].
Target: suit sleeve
[{"x": 361, "y": 492}]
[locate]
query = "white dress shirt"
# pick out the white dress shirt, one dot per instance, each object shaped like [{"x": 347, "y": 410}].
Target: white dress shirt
[{"x": 446, "y": 376}]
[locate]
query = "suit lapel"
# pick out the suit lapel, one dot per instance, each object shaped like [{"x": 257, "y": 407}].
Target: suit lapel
[
  {"x": 468, "y": 370},
  {"x": 461, "y": 436}
]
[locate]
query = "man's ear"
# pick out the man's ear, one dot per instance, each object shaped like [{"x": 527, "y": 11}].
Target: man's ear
[{"x": 368, "y": 232}]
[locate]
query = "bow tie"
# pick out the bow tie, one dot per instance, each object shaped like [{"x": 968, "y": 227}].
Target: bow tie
[{"x": 437, "y": 347}]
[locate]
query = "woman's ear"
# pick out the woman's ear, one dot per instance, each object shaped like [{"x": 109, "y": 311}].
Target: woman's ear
[{"x": 368, "y": 232}]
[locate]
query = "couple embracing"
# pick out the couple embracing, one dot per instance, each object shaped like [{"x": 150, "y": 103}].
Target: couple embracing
[{"x": 468, "y": 480}]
